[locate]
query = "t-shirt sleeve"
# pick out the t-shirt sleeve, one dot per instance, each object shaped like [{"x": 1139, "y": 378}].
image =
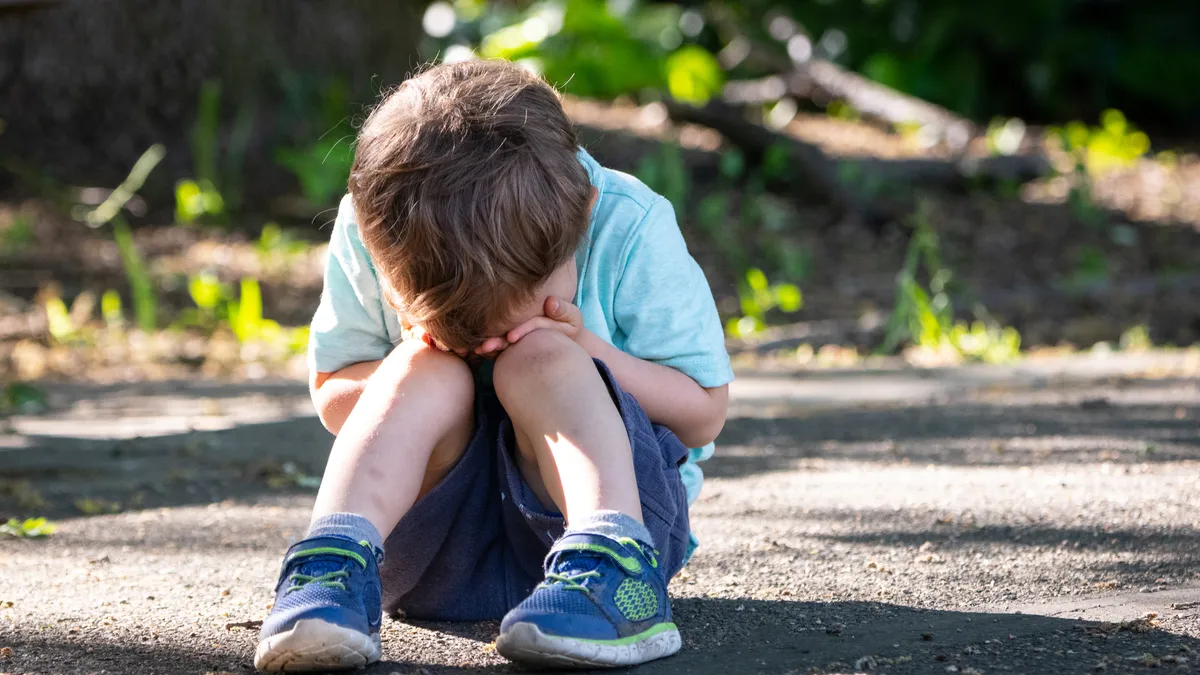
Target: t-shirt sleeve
[
  {"x": 349, "y": 326},
  {"x": 664, "y": 305}
]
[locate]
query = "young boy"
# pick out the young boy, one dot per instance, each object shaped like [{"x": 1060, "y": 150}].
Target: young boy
[{"x": 562, "y": 353}]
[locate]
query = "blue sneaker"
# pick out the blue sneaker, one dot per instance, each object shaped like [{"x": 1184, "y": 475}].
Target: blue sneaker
[
  {"x": 327, "y": 609},
  {"x": 603, "y": 604}
]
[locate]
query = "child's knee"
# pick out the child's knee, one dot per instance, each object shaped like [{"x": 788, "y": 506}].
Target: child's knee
[
  {"x": 440, "y": 374},
  {"x": 541, "y": 356}
]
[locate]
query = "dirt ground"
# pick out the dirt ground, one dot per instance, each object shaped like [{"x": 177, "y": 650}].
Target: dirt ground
[{"x": 1024, "y": 519}]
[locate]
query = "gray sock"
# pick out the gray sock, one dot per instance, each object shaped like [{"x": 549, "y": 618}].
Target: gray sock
[
  {"x": 611, "y": 524},
  {"x": 347, "y": 526}
]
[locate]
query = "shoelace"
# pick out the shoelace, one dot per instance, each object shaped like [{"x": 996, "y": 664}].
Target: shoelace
[
  {"x": 569, "y": 582},
  {"x": 328, "y": 580}
]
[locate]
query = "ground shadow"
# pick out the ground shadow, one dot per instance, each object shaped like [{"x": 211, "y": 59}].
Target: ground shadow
[
  {"x": 964, "y": 434},
  {"x": 50, "y": 475},
  {"x": 54, "y": 475},
  {"x": 723, "y": 636}
]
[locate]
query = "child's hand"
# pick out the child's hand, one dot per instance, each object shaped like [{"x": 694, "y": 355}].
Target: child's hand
[{"x": 560, "y": 316}]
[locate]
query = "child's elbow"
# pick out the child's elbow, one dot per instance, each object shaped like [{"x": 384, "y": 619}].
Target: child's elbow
[{"x": 710, "y": 421}]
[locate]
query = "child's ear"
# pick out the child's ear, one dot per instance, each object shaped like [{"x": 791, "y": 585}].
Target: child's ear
[{"x": 595, "y": 195}]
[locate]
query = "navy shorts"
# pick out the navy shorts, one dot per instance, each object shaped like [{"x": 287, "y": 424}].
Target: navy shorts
[{"x": 472, "y": 548}]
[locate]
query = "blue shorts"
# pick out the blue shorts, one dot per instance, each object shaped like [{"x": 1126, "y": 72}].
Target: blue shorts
[{"x": 472, "y": 548}]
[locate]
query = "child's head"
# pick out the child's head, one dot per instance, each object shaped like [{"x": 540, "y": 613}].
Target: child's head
[{"x": 469, "y": 194}]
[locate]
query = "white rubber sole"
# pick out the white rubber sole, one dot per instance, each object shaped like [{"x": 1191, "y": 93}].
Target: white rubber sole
[
  {"x": 313, "y": 644},
  {"x": 527, "y": 645}
]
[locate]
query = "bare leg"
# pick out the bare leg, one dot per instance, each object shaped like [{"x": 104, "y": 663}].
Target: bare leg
[
  {"x": 573, "y": 449},
  {"x": 409, "y": 428}
]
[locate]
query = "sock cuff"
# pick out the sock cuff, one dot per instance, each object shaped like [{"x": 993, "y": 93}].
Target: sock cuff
[
  {"x": 347, "y": 526},
  {"x": 611, "y": 524}
]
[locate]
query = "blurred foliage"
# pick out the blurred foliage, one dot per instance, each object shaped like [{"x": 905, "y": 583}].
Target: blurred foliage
[
  {"x": 1114, "y": 144},
  {"x": 757, "y": 297},
  {"x": 322, "y": 148},
  {"x": 22, "y": 398},
  {"x": 217, "y": 306},
  {"x": 217, "y": 165},
  {"x": 145, "y": 300},
  {"x": 1041, "y": 60},
  {"x": 30, "y": 528},
  {"x": 924, "y": 313}
]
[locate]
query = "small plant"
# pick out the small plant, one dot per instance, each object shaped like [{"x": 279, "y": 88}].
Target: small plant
[
  {"x": 1114, "y": 144},
  {"x": 26, "y": 496},
  {"x": 111, "y": 312},
  {"x": 145, "y": 302},
  {"x": 94, "y": 507},
  {"x": 275, "y": 244},
  {"x": 757, "y": 297},
  {"x": 924, "y": 316},
  {"x": 1091, "y": 269},
  {"x": 322, "y": 168},
  {"x": 18, "y": 235},
  {"x": 1093, "y": 152},
  {"x": 195, "y": 199},
  {"x": 243, "y": 313},
  {"x": 20, "y": 398},
  {"x": 30, "y": 528},
  {"x": 58, "y": 320},
  {"x": 1136, "y": 339},
  {"x": 216, "y": 185}
]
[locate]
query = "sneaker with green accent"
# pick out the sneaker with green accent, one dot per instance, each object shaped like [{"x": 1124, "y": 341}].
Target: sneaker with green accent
[
  {"x": 327, "y": 609},
  {"x": 603, "y": 604}
]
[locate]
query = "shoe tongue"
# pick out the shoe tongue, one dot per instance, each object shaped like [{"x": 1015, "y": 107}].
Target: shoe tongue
[
  {"x": 323, "y": 564},
  {"x": 579, "y": 553},
  {"x": 324, "y": 556}
]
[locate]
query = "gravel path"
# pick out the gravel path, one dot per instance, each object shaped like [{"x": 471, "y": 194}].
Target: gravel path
[{"x": 969, "y": 520}]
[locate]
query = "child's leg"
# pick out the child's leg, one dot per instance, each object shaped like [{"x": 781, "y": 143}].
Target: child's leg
[
  {"x": 408, "y": 429},
  {"x": 405, "y": 434},
  {"x": 604, "y": 599},
  {"x": 572, "y": 446}
]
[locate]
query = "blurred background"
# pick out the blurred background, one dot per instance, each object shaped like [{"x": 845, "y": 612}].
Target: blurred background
[{"x": 861, "y": 179}]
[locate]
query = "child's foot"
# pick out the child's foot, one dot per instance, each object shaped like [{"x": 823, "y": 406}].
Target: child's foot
[
  {"x": 603, "y": 603},
  {"x": 327, "y": 609}
]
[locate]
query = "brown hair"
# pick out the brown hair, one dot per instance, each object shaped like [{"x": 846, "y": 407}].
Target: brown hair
[{"x": 469, "y": 194}]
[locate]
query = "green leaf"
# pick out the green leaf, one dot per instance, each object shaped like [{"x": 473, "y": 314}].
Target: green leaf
[
  {"x": 30, "y": 528},
  {"x": 756, "y": 279},
  {"x": 58, "y": 319},
  {"x": 206, "y": 291},
  {"x": 145, "y": 303},
  {"x": 789, "y": 297},
  {"x": 110, "y": 308},
  {"x": 196, "y": 199},
  {"x": 694, "y": 75},
  {"x": 246, "y": 317}
]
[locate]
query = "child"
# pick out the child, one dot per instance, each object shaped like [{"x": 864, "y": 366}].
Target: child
[{"x": 563, "y": 352}]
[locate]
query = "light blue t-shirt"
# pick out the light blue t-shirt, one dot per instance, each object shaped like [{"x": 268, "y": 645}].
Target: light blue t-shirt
[{"x": 639, "y": 290}]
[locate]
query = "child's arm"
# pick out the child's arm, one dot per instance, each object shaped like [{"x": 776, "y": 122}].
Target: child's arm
[
  {"x": 696, "y": 414},
  {"x": 669, "y": 397},
  {"x": 335, "y": 394}
]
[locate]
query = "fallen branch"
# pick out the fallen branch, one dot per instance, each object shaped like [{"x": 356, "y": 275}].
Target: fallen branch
[
  {"x": 815, "y": 168},
  {"x": 818, "y": 78},
  {"x": 830, "y": 175}
]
